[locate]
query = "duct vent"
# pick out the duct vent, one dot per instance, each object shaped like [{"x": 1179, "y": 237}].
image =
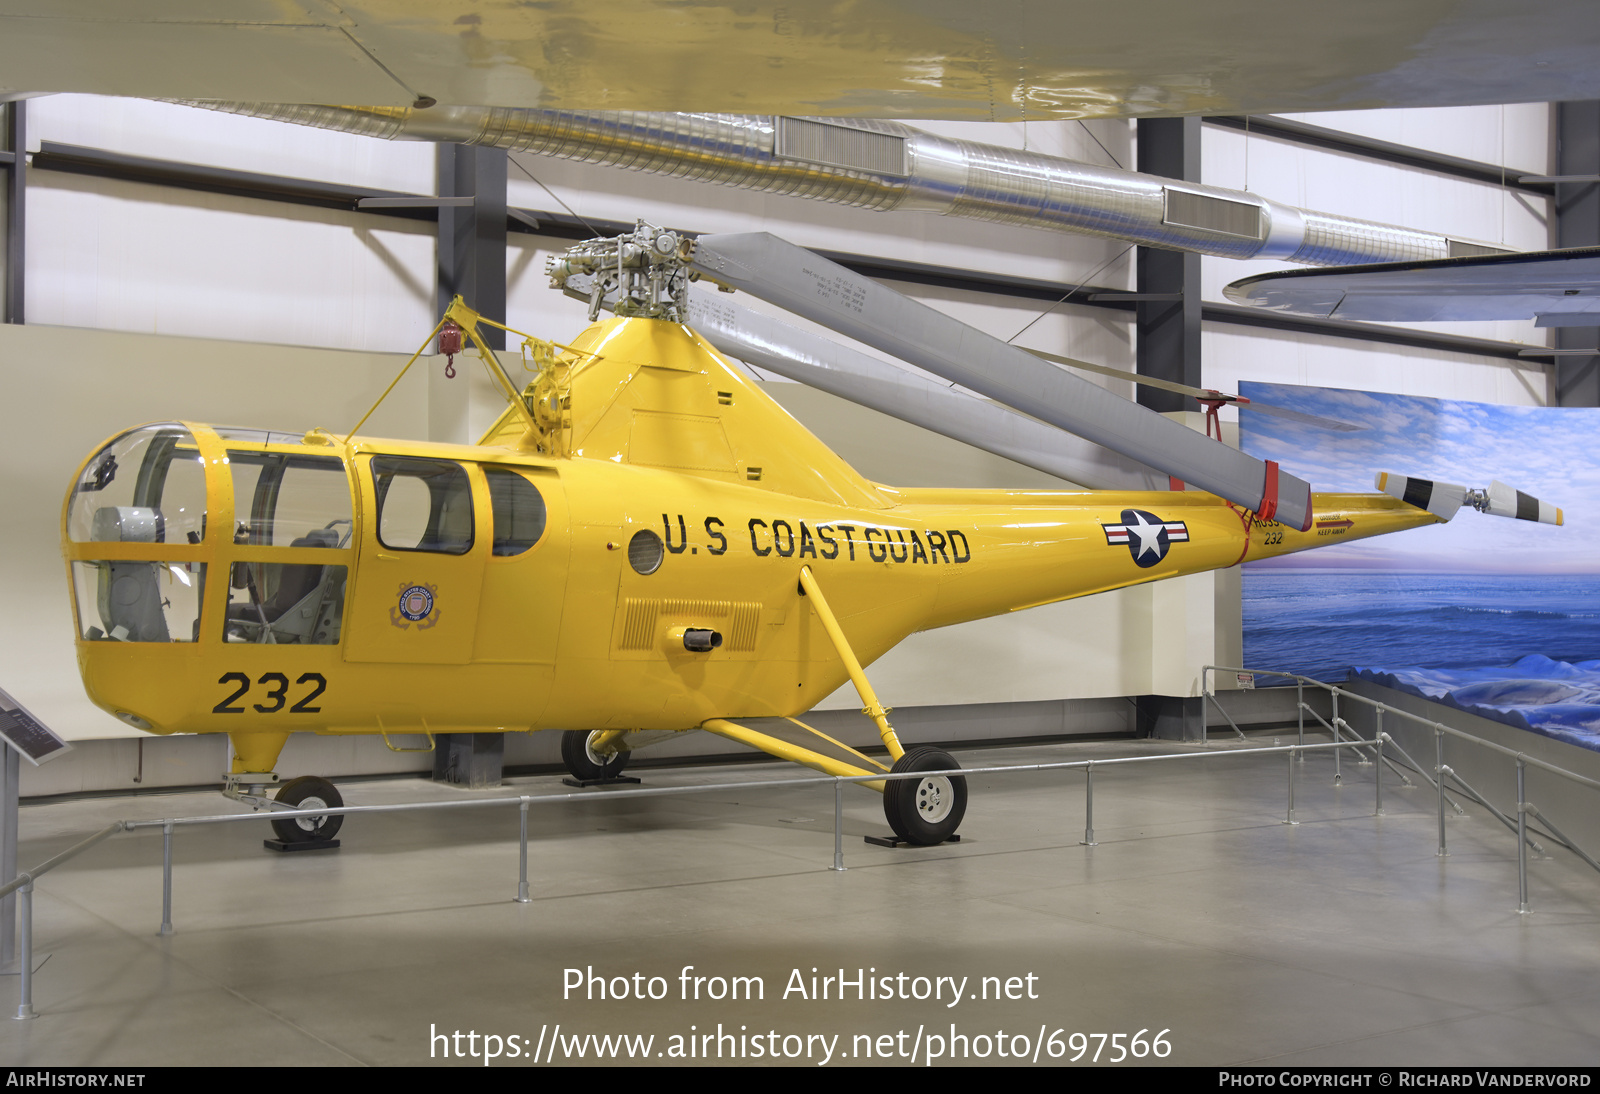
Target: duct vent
[
  {"x": 1462, "y": 249},
  {"x": 1239, "y": 219},
  {"x": 840, "y": 146}
]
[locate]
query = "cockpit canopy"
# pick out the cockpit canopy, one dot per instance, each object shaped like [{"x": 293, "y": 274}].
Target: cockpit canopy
[{"x": 144, "y": 506}]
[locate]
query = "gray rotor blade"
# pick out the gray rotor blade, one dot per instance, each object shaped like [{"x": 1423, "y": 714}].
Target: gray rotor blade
[
  {"x": 1301, "y": 416},
  {"x": 824, "y": 292},
  {"x": 822, "y": 363}
]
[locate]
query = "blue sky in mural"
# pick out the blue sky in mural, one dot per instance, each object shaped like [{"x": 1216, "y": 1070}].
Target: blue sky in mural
[{"x": 1550, "y": 453}]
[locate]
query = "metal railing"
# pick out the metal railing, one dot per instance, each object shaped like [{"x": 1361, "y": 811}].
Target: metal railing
[
  {"x": 23, "y": 883},
  {"x": 1295, "y": 754},
  {"x": 1442, "y": 772}
]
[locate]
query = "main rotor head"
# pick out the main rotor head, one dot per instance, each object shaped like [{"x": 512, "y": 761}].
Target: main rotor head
[{"x": 641, "y": 273}]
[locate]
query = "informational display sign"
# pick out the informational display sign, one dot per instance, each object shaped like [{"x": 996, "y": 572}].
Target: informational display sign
[{"x": 25, "y": 733}]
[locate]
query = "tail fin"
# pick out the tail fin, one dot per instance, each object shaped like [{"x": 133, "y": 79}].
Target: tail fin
[{"x": 1442, "y": 499}]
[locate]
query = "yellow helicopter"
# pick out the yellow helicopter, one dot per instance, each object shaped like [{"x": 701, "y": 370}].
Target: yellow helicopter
[{"x": 643, "y": 544}]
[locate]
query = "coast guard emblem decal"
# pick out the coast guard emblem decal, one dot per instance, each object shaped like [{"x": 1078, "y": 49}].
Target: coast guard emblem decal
[
  {"x": 416, "y": 606},
  {"x": 1147, "y": 536}
]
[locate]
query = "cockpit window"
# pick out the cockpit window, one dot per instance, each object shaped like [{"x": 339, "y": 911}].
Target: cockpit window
[
  {"x": 519, "y": 513},
  {"x": 423, "y": 505},
  {"x": 147, "y": 486},
  {"x": 285, "y": 499}
]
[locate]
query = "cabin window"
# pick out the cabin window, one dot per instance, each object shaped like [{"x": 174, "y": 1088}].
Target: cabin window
[
  {"x": 423, "y": 505},
  {"x": 519, "y": 512}
]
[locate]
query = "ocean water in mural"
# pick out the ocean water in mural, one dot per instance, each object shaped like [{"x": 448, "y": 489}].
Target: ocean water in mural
[{"x": 1494, "y": 615}]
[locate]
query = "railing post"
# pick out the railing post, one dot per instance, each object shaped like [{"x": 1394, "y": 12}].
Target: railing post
[
  {"x": 1333, "y": 723},
  {"x": 166, "y": 879},
  {"x": 1438, "y": 778},
  {"x": 1088, "y": 806},
  {"x": 1293, "y": 752},
  {"x": 1522, "y": 840},
  {"x": 1300, "y": 710},
  {"x": 838, "y": 825},
  {"x": 1377, "y": 772},
  {"x": 522, "y": 854},
  {"x": 25, "y": 928}
]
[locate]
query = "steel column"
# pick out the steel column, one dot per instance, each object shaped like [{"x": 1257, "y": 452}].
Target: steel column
[
  {"x": 472, "y": 238},
  {"x": 1168, "y": 345},
  {"x": 1576, "y": 223},
  {"x": 16, "y": 143},
  {"x": 25, "y": 995}
]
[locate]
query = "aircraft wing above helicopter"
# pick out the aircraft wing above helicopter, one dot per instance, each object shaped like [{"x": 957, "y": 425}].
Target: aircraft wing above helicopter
[
  {"x": 1556, "y": 288},
  {"x": 880, "y": 58}
]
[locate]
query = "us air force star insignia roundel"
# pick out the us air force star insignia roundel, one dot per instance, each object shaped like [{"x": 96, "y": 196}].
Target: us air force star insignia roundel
[{"x": 1148, "y": 536}]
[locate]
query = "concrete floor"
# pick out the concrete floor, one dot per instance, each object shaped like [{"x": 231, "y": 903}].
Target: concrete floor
[{"x": 1341, "y": 941}]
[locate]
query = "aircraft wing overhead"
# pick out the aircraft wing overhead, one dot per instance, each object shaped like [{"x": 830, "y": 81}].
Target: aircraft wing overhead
[
  {"x": 1558, "y": 288},
  {"x": 873, "y": 58}
]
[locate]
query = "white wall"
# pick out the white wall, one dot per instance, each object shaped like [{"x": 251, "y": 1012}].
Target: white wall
[{"x": 211, "y": 290}]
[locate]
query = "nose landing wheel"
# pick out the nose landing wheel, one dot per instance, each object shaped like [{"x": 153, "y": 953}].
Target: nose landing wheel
[{"x": 307, "y": 833}]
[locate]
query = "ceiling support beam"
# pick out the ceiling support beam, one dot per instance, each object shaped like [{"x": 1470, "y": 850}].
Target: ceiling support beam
[
  {"x": 1168, "y": 315},
  {"x": 1404, "y": 155},
  {"x": 1576, "y": 223},
  {"x": 472, "y": 237},
  {"x": 16, "y": 211}
]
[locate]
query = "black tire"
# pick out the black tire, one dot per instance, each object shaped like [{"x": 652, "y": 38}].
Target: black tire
[
  {"x": 308, "y": 792},
  {"x": 925, "y": 811},
  {"x": 586, "y": 765}
]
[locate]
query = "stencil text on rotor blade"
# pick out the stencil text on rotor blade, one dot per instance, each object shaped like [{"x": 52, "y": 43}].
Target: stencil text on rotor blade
[{"x": 843, "y": 292}]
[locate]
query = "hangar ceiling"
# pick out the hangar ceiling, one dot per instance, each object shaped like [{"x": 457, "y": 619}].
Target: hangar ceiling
[{"x": 1010, "y": 61}]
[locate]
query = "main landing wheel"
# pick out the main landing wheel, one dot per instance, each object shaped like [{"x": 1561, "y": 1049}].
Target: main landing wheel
[
  {"x": 925, "y": 811},
  {"x": 585, "y": 763},
  {"x": 308, "y": 792}
]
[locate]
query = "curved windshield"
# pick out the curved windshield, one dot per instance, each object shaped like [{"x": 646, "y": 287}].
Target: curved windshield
[{"x": 147, "y": 486}]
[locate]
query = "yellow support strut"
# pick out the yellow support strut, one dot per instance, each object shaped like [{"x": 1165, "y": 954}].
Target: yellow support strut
[
  {"x": 783, "y": 750},
  {"x": 871, "y": 708}
]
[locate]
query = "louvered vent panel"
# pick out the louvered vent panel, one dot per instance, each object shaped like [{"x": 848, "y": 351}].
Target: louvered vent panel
[
  {"x": 840, "y": 146},
  {"x": 742, "y": 632},
  {"x": 1239, "y": 219},
  {"x": 639, "y": 624}
]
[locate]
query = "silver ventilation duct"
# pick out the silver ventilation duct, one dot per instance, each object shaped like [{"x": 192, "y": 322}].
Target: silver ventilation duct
[{"x": 887, "y": 165}]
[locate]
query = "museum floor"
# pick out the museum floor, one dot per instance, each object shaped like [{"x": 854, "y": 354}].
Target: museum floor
[{"x": 1343, "y": 940}]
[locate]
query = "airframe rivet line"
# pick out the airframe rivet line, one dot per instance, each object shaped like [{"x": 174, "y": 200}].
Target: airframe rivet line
[
  {"x": 166, "y": 879},
  {"x": 522, "y": 854}
]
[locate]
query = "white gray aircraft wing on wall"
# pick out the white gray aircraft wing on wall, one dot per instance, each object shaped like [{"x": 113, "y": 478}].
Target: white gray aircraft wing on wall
[{"x": 1557, "y": 288}]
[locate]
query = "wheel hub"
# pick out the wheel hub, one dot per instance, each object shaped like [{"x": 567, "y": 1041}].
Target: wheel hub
[
  {"x": 934, "y": 799},
  {"x": 311, "y": 824}
]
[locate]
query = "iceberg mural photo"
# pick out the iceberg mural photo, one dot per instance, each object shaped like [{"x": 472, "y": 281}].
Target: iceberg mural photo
[{"x": 1498, "y": 616}]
